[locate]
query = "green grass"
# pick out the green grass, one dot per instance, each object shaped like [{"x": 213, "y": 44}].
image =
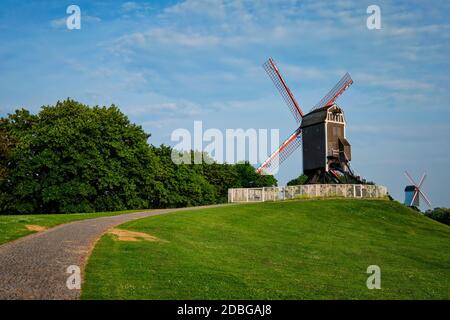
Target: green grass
[
  {"x": 311, "y": 249},
  {"x": 13, "y": 226}
]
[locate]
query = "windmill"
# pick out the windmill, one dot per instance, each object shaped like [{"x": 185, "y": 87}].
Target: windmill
[
  {"x": 413, "y": 192},
  {"x": 321, "y": 132}
]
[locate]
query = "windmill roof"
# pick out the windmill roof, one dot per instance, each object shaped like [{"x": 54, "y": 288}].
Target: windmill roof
[
  {"x": 314, "y": 117},
  {"x": 318, "y": 115}
]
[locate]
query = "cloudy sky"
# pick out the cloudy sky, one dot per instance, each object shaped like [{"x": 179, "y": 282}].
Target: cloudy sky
[{"x": 168, "y": 63}]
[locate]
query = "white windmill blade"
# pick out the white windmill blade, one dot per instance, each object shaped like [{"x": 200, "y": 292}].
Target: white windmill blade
[
  {"x": 425, "y": 198},
  {"x": 410, "y": 178},
  {"x": 416, "y": 193},
  {"x": 421, "y": 180}
]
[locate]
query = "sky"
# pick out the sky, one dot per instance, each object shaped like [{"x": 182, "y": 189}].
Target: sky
[{"x": 166, "y": 64}]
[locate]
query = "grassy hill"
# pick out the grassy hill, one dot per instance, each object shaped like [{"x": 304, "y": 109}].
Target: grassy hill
[{"x": 313, "y": 249}]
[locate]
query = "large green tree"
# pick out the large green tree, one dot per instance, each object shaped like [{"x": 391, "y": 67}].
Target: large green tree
[{"x": 72, "y": 158}]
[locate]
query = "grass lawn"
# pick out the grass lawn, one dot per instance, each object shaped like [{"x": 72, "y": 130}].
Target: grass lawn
[
  {"x": 313, "y": 249},
  {"x": 13, "y": 226}
]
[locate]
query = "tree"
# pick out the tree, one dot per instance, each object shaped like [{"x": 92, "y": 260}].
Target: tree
[
  {"x": 72, "y": 158},
  {"x": 5, "y": 152},
  {"x": 221, "y": 176},
  {"x": 439, "y": 214},
  {"x": 298, "y": 181},
  {"x": 179, "y": 185},
  {"x": 248, "y": 178},
  {"x": 11, "y": 130}
]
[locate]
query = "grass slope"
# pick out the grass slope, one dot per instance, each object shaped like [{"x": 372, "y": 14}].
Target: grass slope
[
  {"x": 13, "y": 226},
  {"x": 316, "y": 249}
]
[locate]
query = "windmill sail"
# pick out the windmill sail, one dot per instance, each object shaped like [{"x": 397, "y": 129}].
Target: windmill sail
[
  {"x": 275, "y": 75},
  {"x": 282, "y": 153},
  {"x": 337, "y": 90}
]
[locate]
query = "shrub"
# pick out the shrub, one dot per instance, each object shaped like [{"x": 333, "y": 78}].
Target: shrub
[{"x": 439, "y": 214}]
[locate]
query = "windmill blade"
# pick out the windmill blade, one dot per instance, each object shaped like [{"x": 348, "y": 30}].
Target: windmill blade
[
  {"x": 421, "y": 180},
  {"x": 416, "y": 192},
  {"x": 337, "y": 90},
  {"x": 425, "y": 198},
  {"x": 410, "y": 179},
  {"x": 282, "y": 87},
  {"x": 282, "y": 153}
]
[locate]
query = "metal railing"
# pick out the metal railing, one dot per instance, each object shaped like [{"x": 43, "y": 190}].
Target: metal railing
[{"x": 306, "y": 191}]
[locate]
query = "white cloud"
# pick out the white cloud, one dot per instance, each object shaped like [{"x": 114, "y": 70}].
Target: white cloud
[
  {"x": 385, "y": 81},
  {"x": 208, "y": 8},
  {"x": 160, "y": 107},
  {"x": 178, "y": 109},
  {"x": 249, "y": 105},
  {"x": 302, "y": 72},
  {"x": 61, "y": 22},
  {"x": 159, "y": 124},
  {"x": 230, "y": 24},
  {"x": 58, "y": 23},
  {"x": 435, "y": 29},
  {"x": 130, "y": 6},
  {"x": 163, "y": 36},
  {"x": 414, "y": 132}
]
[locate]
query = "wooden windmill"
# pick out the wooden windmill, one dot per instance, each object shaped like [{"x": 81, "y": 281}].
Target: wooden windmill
[
  {"x": 413, "y": 192},
  {"x": 321, "y": 132}
]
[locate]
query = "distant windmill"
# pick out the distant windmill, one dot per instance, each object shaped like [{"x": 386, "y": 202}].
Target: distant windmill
[
  {"x": 413, "y": 192},
  {"x": 321, "y": 132}
]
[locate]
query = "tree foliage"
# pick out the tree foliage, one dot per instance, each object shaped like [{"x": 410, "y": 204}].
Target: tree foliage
[
  {"x": 73, "y": 158},
  {"x": 298, "y": 181},
  {"x": 439, "y": 214},
  {"x": 6, "y": 146}
]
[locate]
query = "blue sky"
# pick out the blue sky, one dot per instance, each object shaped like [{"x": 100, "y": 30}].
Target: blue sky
[{"x": 168, "y": 63}]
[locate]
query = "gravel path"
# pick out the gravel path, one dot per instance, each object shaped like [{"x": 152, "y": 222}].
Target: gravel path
[{"x": 34, "y": 267}]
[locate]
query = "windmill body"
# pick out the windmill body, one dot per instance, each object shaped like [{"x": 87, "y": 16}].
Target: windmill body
[
  {"x": 411, "y": 200},
  {"x": 321, "y": 133},
  {"x": 326, "y": 151},
  {"x": 413, "y": 192}
]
